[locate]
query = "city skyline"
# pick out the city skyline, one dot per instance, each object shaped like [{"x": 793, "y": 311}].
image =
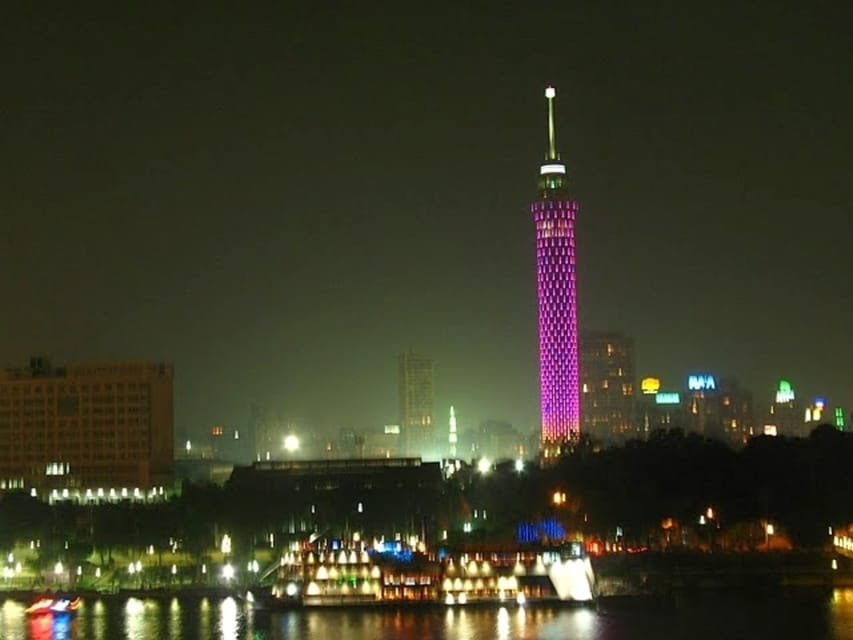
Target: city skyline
[{"x": 279, "y": 202}]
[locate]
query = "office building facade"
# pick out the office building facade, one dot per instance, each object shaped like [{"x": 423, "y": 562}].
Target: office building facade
[
  {"x": 608, "y": 382},
  {"x": 416, "y": 403},
  {"x": 86, "y": 426}
]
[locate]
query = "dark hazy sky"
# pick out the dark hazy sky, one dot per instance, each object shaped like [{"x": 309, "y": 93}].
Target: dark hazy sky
[{"x": 279, "y": 198}]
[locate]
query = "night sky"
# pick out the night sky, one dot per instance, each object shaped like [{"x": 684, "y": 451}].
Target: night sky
[{"x": 280, "y": 199}]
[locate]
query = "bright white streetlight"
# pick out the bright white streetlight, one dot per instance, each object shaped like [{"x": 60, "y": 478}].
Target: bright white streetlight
[
  {"x": 484, "y": 465},
  {"x": 291, "y": 443}
]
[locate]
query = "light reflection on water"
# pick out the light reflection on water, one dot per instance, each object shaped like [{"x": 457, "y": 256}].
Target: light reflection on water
[
  {"x": 97, "y": 618},
  {"x": 13, "y": 620},
  {"x": 503, "y": 624},
  {"x": 175, "y": 619},
  {"x": 228, "y": 624},
  {"x": 805, "y": 614}
]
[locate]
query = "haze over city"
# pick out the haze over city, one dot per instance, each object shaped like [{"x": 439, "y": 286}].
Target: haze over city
[{"x": 280, "y": 202}]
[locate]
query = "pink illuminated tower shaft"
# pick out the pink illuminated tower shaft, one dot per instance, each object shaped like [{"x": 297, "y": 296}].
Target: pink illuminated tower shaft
[{"x": 554, "y": 213}]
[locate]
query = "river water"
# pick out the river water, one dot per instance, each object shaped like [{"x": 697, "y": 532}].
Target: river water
[{"x": 800, "y": 614}]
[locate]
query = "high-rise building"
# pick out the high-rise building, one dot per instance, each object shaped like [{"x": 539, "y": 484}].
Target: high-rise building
[
  {"x": 416, "y": 403},
  {"x": 658, "y": 409},
  {"x": 554, "y": 213},
  {"x": 737, "y": 414},
  {"x": 607, "y": 385},
  {"x": 86, "y": 426},
  {"x": 719, "y": 408}
]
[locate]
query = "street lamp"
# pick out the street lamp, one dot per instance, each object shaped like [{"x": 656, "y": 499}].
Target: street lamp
[
  {"x": 228, "y": 572},
  {"x": 291, "y": 443}
]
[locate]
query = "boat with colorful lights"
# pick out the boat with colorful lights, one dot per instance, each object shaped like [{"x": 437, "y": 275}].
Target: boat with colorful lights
[
  {"x": 49, "y": 605},
  {"x": 390, "y": 574}
]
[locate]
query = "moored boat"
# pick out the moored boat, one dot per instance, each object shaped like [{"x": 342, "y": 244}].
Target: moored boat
[
  {"x": 50, "y": 605},
  {"x": 362, "y": 577}
]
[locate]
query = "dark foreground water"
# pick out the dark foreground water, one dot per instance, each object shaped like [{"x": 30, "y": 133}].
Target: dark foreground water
[{"x": 800, "y": 614}]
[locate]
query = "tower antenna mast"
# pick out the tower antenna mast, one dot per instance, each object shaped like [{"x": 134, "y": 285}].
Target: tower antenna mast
[{"x": 550, "y": 94}]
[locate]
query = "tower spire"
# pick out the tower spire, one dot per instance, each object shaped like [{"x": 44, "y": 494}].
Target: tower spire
[
  {"x": 550, "y": 94},
  {"x": 552, "y": 173}
]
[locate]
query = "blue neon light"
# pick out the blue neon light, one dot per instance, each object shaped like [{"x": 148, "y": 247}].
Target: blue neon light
[
  {"x": 701, "y": 382},
  {"x": 548, "y": 529}
]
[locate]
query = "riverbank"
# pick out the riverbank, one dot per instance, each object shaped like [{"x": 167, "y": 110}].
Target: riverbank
[
  {"x": 26, "y": 595},
  {"x": 659, "y": 574},
  {"x": 618, "y": 578}
]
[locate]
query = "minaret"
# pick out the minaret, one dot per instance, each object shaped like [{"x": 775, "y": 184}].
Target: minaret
[
  {"x": 554, "y": 213},
  {"x": 452, "y": 438}
]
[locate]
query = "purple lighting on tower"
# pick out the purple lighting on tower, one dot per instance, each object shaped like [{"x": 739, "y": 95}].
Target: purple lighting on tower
[{"x": 554, "y": 213}]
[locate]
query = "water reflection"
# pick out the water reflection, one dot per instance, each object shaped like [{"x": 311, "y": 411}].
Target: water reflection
[
  {"x": 134, "y": 619},
  {"x": 204, "y": 619},
  {"x": 175, "y": 619},
  {"x": 13, "y": 618},
  {"x": 842, "y": 612},
  {"x": 62, "y": 626},
  {"x": 228, "y": 625},
  {"x": 98, "y": 619},
  {"x": 41, "y": 627},
  {"x": 813, "y": 613},
  {"x": 503, "y": 624}
]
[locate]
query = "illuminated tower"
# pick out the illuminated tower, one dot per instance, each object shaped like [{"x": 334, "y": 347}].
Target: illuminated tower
[
  {"x": 554, "y": 213},
  {"x": 452, "y": 436}
]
